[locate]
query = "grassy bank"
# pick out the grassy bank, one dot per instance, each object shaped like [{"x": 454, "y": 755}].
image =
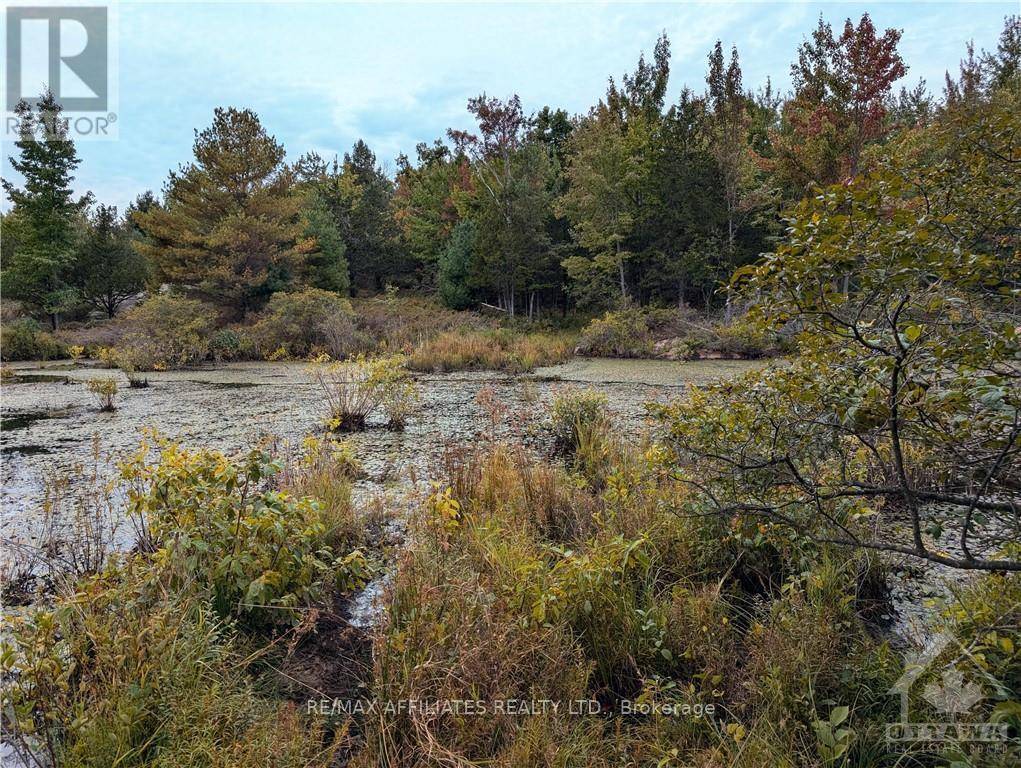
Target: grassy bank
[
  {"x": 677, "y": 334},
  {"x": 167, "y": 331}
]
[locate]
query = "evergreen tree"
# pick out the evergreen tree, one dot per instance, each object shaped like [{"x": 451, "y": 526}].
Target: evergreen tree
[
  {"x": 425, "y": 204},
  {"x": 685, "y": 209},
  {"x": 366, "y": 221},
  {"x": 231, "y": 228},
  {"x": 36, "y": 269},
  {"x": 325, "y": 263},
  {"x": 1003, "y": 68},
  {"x": 456, "y": 264},
  {"x": 108, "y": 269}
]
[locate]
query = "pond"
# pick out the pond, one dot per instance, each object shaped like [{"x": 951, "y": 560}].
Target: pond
[
  {"x": 50, "y": 420},
  {"x": 50, "y": 423}
]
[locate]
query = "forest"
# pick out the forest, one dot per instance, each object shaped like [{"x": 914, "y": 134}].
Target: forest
[{"x": 637, "y": 202}]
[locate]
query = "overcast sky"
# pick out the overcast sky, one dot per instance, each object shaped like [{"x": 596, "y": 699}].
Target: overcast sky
[{"x": 322, "y": 75}]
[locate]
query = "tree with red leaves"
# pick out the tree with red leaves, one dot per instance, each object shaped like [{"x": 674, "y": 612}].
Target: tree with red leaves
[{"x": 841, "y": 89}]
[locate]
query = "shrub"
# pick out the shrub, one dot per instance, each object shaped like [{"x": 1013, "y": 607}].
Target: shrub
[
  {"x": 398, "y": 325},
  {"x": 229, "y": 344},
  {"x": 304, "y": 323},
  {"x": 24, "y": 339},
  {"x": 455, "y": 264},
  {"x": 355, "y": 388},
  {"x": 398, "y": 392},
  {"x": 624, "y": 333},
  {"x": 167, "y": 331},
  {"x": 142, "y": 663},
  {"x": 128, "y": 671},
  {"x": 985, "y": 619},
  {"x": 746, "y": 340},
  {"x": 675, "y": 334},
  {"x": 129, "y": 361},
  {"x": 261, "y": 554},
  {"x": 574, "y": 412},
  {"x": 104, "y": 390}
]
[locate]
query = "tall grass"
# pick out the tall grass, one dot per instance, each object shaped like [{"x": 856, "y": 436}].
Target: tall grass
[
  {"x": 354, "y": 389},
  {"x": 502, "y": 349},
  {"x": 524, "y": 580}
]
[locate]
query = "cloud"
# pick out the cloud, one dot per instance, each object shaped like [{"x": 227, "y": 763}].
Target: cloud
[{"x": 323, "y": 75}]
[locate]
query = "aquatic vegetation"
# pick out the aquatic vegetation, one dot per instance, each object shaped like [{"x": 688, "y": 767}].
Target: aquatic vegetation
[
  {"x": 587, "y": 597},
  {"x": 355, "y": 388},
  {"x": 573, "y": 413},
  {"x": 104, "y": 389},
  {"x": 261, "y": 553},
  {"x": 398, "y": 393},
  {"x": 323, "y": 470},
  {"x": 129, "y": 669},
  {"x": 146, "y": 658}
]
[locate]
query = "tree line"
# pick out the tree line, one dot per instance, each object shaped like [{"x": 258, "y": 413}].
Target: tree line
[{"x": 637, "y": 201}]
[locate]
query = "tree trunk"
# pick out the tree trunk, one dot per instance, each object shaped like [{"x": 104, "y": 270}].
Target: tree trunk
[{"x": 620, "y": 271}]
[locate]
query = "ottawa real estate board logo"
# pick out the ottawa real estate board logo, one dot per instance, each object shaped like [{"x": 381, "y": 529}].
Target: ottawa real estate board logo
[
  {"x": 953, "y": 682},
  {"x": 68, "y": 50}
]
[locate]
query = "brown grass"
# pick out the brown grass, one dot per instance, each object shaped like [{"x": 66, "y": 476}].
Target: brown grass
[{"x": 503, "y": 349}]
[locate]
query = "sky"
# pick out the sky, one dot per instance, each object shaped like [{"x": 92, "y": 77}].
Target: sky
[{"x": 322, "y": 75}]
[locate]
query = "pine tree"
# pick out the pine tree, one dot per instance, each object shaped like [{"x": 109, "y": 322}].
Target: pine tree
[
  {"x": 425, "y": 204},
  {"x": 36, "y": 270},
  {"x": 367, "y": 225},
  {"x": 231, "y": 228}
]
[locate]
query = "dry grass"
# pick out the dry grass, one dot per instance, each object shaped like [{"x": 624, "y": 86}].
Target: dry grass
[
  {"x": 524, "y": 581},
  {"x": 399, "y": 324},
  {"x": 503, "y": 349}
]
